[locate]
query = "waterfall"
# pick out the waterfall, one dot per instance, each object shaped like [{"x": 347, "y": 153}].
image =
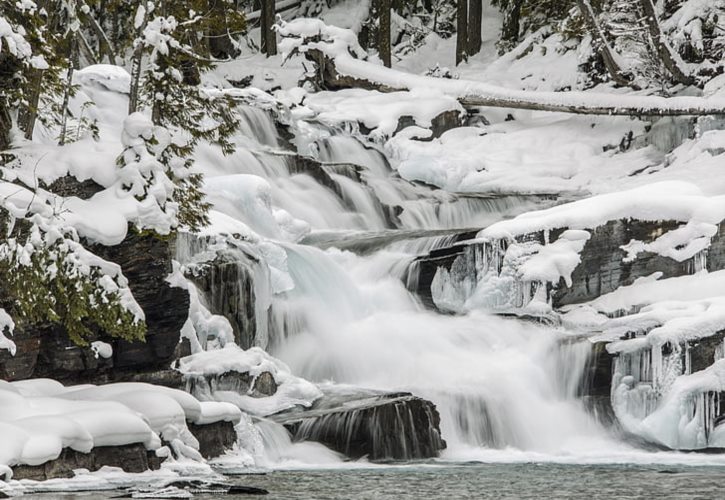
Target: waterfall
[
  {"x": 348, "y": 316},
  {"x": 496, "y": 382}
]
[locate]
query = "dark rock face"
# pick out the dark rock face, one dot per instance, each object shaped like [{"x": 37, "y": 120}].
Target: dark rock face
[
  {"x": 214, "y": 439},
  {"x": 602, "y": 269},
  {"x": 46, "y": 351},
  {"x": 380, "y": 426},
  {"x": 130, "y": 458},
  {"x": 227, "y": 285},
  {"x": 716, "y": 252},
  {"x": 703, "y": 351},
  {"x": 595, "y": 388},
  {"x": 21, "y": 365},
  {"x": 146, "y": 262},
  {"x": 424, "y": 269}
]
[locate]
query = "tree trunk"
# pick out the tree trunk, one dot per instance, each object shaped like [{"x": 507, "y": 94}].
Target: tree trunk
[
  {"x": 6, "y": 124},
  {"x": 268, "y": 38},
  {"x": 462, "y": 32},
  {"x": 605, "y": 50},
  {"x": 475, "y": 18},
  {"x": 136, "y": 70},
  {"x": 663, "y": 49},
  {"x": 103, "y": 39},
  {"x": 511, "y": 24},
  {"x": 384, "y": 32},
  {"x": 29, "y": 114},
  {"x": 72, "y": 46}
]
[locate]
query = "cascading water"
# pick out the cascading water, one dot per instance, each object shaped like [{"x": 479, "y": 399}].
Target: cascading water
[
  {"x": 349, "y": 318},
  {"x": 497, "y": 383}
]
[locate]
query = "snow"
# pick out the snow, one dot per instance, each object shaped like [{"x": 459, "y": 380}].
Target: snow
[
  {"x": 557, "y": 260},
  {"x": 291, "y": 391},
  {"x": 102, "y": 349},
  {"x": 41, "y": 417},
  {"x": 349, "y": 58},
  {"x": 380, "y": 111}
]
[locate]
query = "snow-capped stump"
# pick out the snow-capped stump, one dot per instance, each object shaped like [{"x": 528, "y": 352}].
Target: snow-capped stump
[{"x": 380, "y": 426}]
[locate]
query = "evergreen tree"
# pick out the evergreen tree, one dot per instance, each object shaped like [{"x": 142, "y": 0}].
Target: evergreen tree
[{"x": 170, "y": 90}]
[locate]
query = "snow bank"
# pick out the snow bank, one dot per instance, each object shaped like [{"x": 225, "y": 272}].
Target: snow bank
[
  {"x": 380, "y": 111},
  {"x": 41, "y": 417},
  {"x": 676, "y": 201}
]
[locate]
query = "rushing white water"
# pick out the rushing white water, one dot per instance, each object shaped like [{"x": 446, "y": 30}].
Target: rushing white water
[
  {"x": 497, "y": 383},
  {"x": 502, "y": 386}
]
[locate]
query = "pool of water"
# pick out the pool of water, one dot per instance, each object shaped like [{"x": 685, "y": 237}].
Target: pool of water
[{"x": 507, "y": 481}]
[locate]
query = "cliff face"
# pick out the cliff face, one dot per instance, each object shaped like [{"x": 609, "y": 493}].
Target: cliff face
[{"x": 46, "y": 350}]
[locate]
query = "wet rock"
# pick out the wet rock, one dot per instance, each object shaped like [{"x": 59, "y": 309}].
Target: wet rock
[
  {"x": 595, "y": 388},
  {"x": 704, "y": 352},
  {"x": 227, "y": 284},
  {"x": 264, "y": 385},
  {"x": 204, "y": 386},
  {"x": 206, "y": 487},
  {"x": 597, "y": 377},
  {"x": 424, "y": 269},
  {"x": 214, "y": 439},
  {"x": 22, "y": 364},
  {"x": 602, "y": 269},
  {"x": 70, "y": 186},
  {"x": 380, "y": 426},
  {"x": 130, "y": 458}
]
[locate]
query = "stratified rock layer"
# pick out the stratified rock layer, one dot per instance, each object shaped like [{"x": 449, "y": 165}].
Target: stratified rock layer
[{"x": 396, "y": 426}]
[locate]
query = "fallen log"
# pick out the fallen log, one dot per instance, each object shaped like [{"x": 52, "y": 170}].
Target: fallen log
[
  {"x": 340, "y": 65},
  {"x": 280, "y": 7}
]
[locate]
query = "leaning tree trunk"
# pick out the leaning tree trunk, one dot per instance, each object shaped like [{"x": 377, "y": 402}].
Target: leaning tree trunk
[
  {"x": 9, "y": 66},
  {"x": 462, "y": 32},
  {"x": 475, "y": 18},
  {"x": 511, "y": 24},
  {"x": 72, "y": 63},
  {"x": 268, "y": 38},
  {"x": 103, "y": 41},
  {"x": 605, "y": 50},
  {"x": 663, "y": 49},
  {"x": 384, "y": 32},
  {"x": 6, "y": 124}
]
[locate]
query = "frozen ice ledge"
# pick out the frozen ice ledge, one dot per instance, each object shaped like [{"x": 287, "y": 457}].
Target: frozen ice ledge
[{"x": 649, "y": 296}]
